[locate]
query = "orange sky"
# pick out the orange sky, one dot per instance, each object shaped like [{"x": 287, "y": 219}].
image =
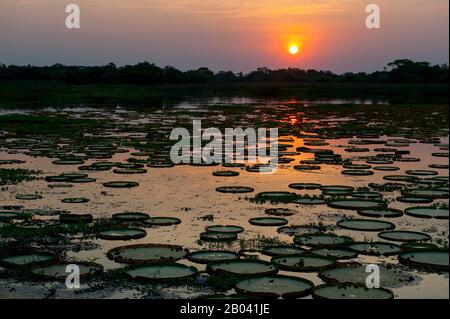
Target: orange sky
[{"x": 240, "y": 35}]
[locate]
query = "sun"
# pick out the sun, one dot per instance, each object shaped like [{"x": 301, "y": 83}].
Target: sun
[{"x": 294, "y": 49}]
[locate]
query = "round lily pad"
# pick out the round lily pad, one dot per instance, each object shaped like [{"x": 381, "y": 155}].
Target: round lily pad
[
  {"x": 225, "y": 229},
  {"x": 386, "y": 168},
  {"x": 165, "y": 272},
  {"x": 120, "y": 184},
  {"x": 404, "y": 236},
  {"x": 375, "y": 248},
  {"x": 350, "y": 291},
  {"x": 27, "y": 259},
  {"x": 427, "y": 259},
  {"x": 235, "y": 189},
  {"x": 268, "y": 221},
  {"x": 303, "y": 263},
  {"x": 309, "y": 201},
  {"x": 275, "y": 286},
  {"x": 335, "y": 252},
  {"x": 337, "y": 190},
  {"x": 317, "y": 240},
  {"x": 417, "y": 245},
  {"x": 122, "y": 234},
  {"x": 217, "y": 236},
  {"x": 226, "y": 173},
  {"x": 281, "y": 211},
  {"x": 414, "y": 200},
  {"x": 208, "y": 256},
  {"x": 282, "y": 250},
  {"x": 130, "y": 216},
  {"x": 381, "y": 212},
  {"x": 365, "y": 224},
  {"x": 427, "y": 193},
  {"x": 366, "y": 195},
  {"x": 130, "y": 171},
  {"x": 28, "y": 197},
  {"x": 162, "y": 221},
  {"x": 390, "y": 276},
  {"x": 428, "y": 212},
  {"x": 298, "y": 230},
  {"x": 357, "y": 172},
  {"x": 356, "y": 204},
  {"x": 80, "y": 200},
  {"x": 146, "y": 253},
  {"x": 302, "y": 186},
  {"x": 242, "y": 267},
  {"x": 59, "y": 271},
  {"x": 275, "y": 196},
  {"x": 421, "y": 172}
]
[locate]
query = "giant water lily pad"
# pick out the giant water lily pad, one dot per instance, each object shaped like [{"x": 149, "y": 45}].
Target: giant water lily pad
[
  {"x": 350, "y": 291},
  {"x": 268, "y": 221},
  {"x": 162, "y": 221},
  {"x": 428, "y": 212},
  {"x": 242, "y": 267},
  {"x": 335, "y": 252},
  {"x": 60, "y": 271},
  {"x": 218, "y": 236},
  {"x": 390, "y": 276},
  {"x": 381, "y": 212},
  {"x": 130, "y": 216},
  {"x": 281, "y": 211},
  {"x": 166, "y": 272},
  {"x": 303, "y": 263},
  {"x": 317, "y": 240},
  {"x": 365, "y": 224},
  {"x": 275, "y": 286},
  {"x": 235, "y": 189},
  {"x": 356, "y": 204},
  {"x": 375, "y": 248},
  {"x": 27, "y": 259},
  {"x": 404, "y": 236},
  {"x": 122, "y": 234},
  {"x": 428, "y": 259},
  {"x": 147, "y": 253},
  {"x": 225, "y": 229},
  {"x": 298, "y": 230},
  {"x": 282, "y": 250},
  {"x": 208, "y": 256},
  {"x": 120, "y": 184}
]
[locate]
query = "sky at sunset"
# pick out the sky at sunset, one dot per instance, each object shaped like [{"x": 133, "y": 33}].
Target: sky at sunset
[{"x": 238, "y": 35}]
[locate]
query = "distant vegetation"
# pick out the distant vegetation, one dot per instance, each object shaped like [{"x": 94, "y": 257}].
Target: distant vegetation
[{"x": 399, "y": 71}]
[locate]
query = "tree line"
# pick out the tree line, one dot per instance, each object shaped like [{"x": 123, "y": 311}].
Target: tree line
[{"x": 145, "y": 73}]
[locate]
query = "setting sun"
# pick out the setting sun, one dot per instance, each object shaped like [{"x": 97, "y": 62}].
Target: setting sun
[{"x": 293, "y": 49}]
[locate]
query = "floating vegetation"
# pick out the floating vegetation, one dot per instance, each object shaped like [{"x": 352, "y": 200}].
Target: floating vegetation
[
  {"x": 404, "y": 236},
  {"x": 122, "y": 234},
  {"x": 350, "y": 291},
  {"x": 356, "y": 204},
  {"x": 209, "y": 256},
  {"x": 375, "y": 248},
  {"x": 162, "y": 221},
  {"x": 147, "y": 253},
  {"x": 268, "y": 221},
  {"x": 318, "y": 240},
  {"x": 120, "y": 184},
  {"x": 27, "y": 259},
  {"x": 282, "y": 250},
  {"x": 225, "y": 229},
  {"x": 235, "y": 189},
  {"x": 167, "y": 272},
  {"x": 303, "y": 263},
  {"x": 12, "y": 176},
  {"x": 130, "y": 216},
  {"x": 226, "y": 173},
  {"x": 281, "y": 211},
  {"x": 275, "y": 286},
  {"x": 381, "y": 212},
  {"x": 426, "y": 259},
  {"x": 428, "y": 212},
  {"x": 242, "y": 268},
  {"x": 335, "y": 252},
  {"x": 365, "y": 224},
  {"x": 59, "y": 271}
]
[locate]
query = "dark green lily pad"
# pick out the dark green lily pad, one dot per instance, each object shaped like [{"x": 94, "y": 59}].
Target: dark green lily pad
[
  {"x": 208, "y": 256},
  {"x": 426, "y": 259},
  {"x": 303, "y": 263},
  {"x": 375, "y": 248},
  {"x": 350, "y": 291},
  {"x": 242, "y": 267},
  {"x": 166, "y": 272},
  {"x": 275, "y": 286},
  {"x": 147, "y": 253},
  {"x": 365, "y": 224},
  {"x": 404, "y": 236}
]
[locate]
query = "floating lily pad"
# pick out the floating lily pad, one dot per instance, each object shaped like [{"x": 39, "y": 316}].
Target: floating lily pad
[
  {"x": 275, "y": 197},
  {"x": 130, "y": 171},
  {"x": 147, "y": 253},
  {"x": 122, "y": 234},
  {"x": 166, "y": 272},
  {"x": 162, "y": 221},
  {"x": 414, "y": 200},
  {"x": 302, "y": 186},
  {"x": 130, "y": 216},
  {"x": 235, "y": 189},
  {"x": 27, "y": 259},
  {"x": 386, "y": 168},
  {"x": 218, "y": 236},
  {"x": 365, "y": 224},
  {"x": 417, "y": 245},
  {"x": 242, "y": 267},
  {"x": 367, "y": 195},
  {"x": 282, "y": 250},
  {"x": 404, "y": 236},
  {"x": 350, "y": 291},
  {"x": 59, "y": 271},
  {"x": 317, "y": 240},
  {"x": 427, "y": 193},
  {"x": 375, "y": 248},
  {"x": 309, "y": 201},
  {"x": 390, "y": 276},
  {"x": 357, "y": 172},
  {"x": 225, "y": 229},
  {"x": 120, "y": 184},
  {"x": 28, "y": 197},
  {"x": 427, "y": 259},
  {"x": 421, "y": 172},
  {"x": 268, "y": 221},
  {"x": 226, "y": 173},
  {"x": 303, "y": 263},
  {"x": 80, "y": 200},
  {"x": 356, "y": 204},
  {"x": 275, "y": 286},
  {"x": 335, "y": 252},
  {"x": 381, "y": 212},
  {"x": 208, "y": 256},
  {"x": 428, "y": 212},
  {"x": 337, "y": 190}
]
